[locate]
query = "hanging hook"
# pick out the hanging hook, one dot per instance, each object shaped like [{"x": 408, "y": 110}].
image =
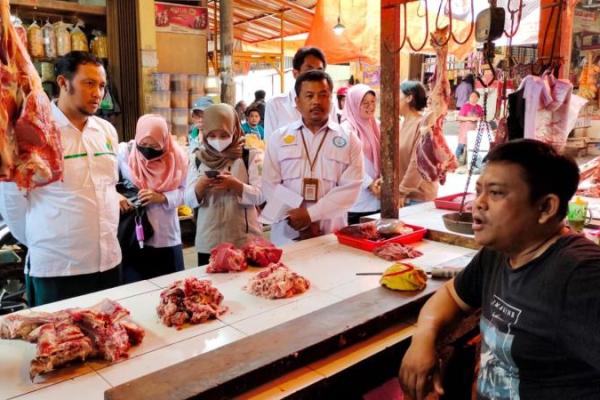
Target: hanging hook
[
  {"x": 416, "y": 50},
  {"x": 437, "y": 26},
  {"x": 471, "y": 27}
]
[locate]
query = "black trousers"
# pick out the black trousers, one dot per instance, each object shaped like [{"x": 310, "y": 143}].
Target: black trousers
[
  {"x": 203, "y": 259},
  {"x": 150, "y": 262},
  {"x": 47, "y": 290}
]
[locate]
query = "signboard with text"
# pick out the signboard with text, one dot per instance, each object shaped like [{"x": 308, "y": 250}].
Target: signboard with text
[{"x": 175, "y": 18}]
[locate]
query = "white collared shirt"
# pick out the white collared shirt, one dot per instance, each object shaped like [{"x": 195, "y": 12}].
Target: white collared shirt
[
  {"x": 70, "y": 226},
  {"x": 338, "y": 167},
  {"x": 281, "y": 111}
]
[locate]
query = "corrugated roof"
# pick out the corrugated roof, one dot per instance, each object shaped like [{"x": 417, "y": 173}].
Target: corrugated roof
[{"x": 259, "y": 20}]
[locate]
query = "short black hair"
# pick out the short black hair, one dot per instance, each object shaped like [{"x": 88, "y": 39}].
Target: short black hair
[
  {"x": 304, "y": 52},
  {"x": 251, "y": 109},
  {"x": 259, "y": 95},
  {"x": 418, "y": 93},
  {"x": 313, "y": 76},
  {"x": 67, "y": 65},
  {"x": 544, "y": 170}
]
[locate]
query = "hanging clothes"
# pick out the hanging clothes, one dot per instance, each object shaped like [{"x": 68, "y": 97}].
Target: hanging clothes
[{"x": 516, "y": 115}]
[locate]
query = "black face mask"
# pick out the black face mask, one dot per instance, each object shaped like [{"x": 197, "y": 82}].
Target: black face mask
[{"x": 149, "y": 153}]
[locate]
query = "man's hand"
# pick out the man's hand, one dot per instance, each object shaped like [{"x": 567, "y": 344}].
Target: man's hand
[
  {"x": 124, "y": 204},
  {"x": 299, "y": 219},
  {"x": 149, "y": 196},
  {"x": 226, "y": 181},
  {"x": 420, "y": 373},
  {"x": 375, "y": 188}
]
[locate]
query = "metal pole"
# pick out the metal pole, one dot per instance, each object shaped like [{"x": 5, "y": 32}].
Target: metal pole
[
  {"x": 282, "y": 58},
  {"x": 227, "y": 82},
  {"x": 390, "y": 108}
]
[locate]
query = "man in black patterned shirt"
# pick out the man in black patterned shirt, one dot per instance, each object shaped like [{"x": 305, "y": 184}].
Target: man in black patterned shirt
[{"x": 535, "y": 283}]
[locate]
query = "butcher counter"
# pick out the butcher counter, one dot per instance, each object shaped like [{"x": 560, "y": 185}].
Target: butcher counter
[{"x": 279, "y": 344}]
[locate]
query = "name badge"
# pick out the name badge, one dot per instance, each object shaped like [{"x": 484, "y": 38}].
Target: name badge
[{"x": 310, "y": 189}]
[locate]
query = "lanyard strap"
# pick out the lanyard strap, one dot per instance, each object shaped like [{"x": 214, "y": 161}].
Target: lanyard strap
[{"x": 314, "y": 160}]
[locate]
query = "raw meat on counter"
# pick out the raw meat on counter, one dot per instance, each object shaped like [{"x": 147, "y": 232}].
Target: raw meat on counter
[
  {"x": 277, "y": 282},
  {"x": 30, "y": 147},
  {"x": 376, "y": 230},
  {"x": 260, "y": 252},
  {"x": 102, "y": 331},
  {"x": 396, "y": 252},
  {"x": 226, "y": 258},
  {"x": 434, "y": 157},
  {"x": 190, "y": 300}
]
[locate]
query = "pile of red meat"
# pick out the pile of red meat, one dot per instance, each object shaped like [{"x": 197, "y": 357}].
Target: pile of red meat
[
  {"x": 277, "y": 281},
  {"x": 190, "y": 300},
  {"x": 102, "y": 331},
  {"x": 376, "y": 230},
  {"x": 257, "y": 252},
  {"x": 396, "y": 252}
]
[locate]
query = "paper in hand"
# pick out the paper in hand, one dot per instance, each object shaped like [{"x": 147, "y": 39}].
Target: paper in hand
[{"x": 278, "y": 206}]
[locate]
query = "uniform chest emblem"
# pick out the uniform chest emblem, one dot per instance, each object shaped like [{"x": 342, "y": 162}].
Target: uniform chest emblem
[
  {"x": 339, "y": 141},
  {"x": 289, "y": 139},
  {"x": 109, "y": 145}
]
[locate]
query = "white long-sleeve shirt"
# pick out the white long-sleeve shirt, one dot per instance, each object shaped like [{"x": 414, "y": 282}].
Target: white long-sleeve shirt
[
  {"x": 366, "y": 200},
  {"x": 223, "y": 216},
  {"x": 70, "y": 226},
  {"x": 162, "y": 217},
  {"x": 281, "y": 111},
  {"x": 338, "y": 167}
]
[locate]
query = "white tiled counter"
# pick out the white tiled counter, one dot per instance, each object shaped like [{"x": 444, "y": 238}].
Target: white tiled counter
[{"x": 329, "y": 266}]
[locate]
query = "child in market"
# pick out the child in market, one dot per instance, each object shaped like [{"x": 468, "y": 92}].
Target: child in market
[
  {"x": 252, "y": 124},
  {"x": 469, "y": 114}
]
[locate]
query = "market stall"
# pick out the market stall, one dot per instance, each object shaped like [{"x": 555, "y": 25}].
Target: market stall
[{"x": 339, "y": 309}]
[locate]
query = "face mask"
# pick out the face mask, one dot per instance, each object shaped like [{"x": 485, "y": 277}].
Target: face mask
[
  {"x": 219, "y": 144},
  {"x": 149, "y": 153}
]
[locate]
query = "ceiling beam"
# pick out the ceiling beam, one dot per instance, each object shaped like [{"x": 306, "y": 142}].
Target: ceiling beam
[{"x": 297, "y": 7}]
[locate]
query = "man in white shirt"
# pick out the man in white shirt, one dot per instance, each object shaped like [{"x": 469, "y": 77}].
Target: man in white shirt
[
  {"x": 281, "y": 110},
  {"x": 317, "y": 160},
  {"x": 70, "y": 226}
]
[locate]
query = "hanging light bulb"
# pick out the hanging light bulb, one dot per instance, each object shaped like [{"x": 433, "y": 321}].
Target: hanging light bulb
[{"x": 339, "y": 28}]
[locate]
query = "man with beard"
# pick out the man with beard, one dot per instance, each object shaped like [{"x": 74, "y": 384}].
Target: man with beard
[
  {"x": 70, "y": 226},
  {"x": 535, "y": 282},
  {"x": 317, "y": 160}
]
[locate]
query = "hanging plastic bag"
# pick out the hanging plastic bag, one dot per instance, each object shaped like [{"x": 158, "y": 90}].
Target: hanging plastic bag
[
  {"x": 35, "y": 40},
  {"x": 63, "y": 38},
  {"x": 99, "y": 44},
  {"x": 79, "y": 41},
  {"x": 20, "y": 29},
  {"x": 49, "y": 40}
]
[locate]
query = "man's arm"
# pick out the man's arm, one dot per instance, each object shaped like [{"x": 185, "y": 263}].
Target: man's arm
[
  {"x": 419, "y": 373},
  {"x": 342, "y": 197}
]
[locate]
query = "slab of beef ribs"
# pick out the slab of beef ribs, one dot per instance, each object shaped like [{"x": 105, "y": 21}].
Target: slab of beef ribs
[
  {"x": 277, "y": 281},
  {"x": 102, "y": 331},
  {"x": 226, "y": 258},
  {"x": 190, "y": 300},
  {"x": 260, "y": 252}
]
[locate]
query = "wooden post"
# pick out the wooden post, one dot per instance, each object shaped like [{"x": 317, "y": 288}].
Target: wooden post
[
  {"x": 559, "y": 49},
  {"x": 215, "y": 38},
  {"x": 390, "y": 107},
  {"x": 227, "y": 83}
]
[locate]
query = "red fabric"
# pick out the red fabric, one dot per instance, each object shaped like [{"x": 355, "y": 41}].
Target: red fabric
[
  {"x": 390, "y": 390},
  {"x": 164, "y": 173},
  {"x": 468, "y": 110}
]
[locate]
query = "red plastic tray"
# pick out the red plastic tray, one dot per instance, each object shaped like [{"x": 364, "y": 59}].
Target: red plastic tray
[
  {"x": 368, "y": 245},
  {"x": 446, "y": 203}
]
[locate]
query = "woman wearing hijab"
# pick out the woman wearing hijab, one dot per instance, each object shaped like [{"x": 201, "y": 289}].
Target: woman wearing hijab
[
  {"x": 224, "y": 183},
  {"x": 358, "y": 116},
  {"x": 157, "y": 166}
]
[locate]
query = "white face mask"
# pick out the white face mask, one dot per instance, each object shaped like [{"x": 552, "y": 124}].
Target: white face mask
[{"x": 220, "y": 144}]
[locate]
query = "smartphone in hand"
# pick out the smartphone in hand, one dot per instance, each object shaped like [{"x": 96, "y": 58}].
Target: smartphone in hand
[{"x": 211, "y": 174}]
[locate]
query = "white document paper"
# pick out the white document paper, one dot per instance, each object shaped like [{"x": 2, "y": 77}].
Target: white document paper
[{"x": 278, "y": 206}]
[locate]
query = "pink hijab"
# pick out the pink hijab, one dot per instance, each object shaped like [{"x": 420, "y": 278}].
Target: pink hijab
[
  {"x": 164, "y": 173},
  {"x": 368, "y": 129}
]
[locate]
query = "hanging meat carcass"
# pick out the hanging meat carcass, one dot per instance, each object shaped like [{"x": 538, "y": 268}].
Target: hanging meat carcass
[
  {"x": 30, "y": 148},
  {"x": 434, "y": 157}
]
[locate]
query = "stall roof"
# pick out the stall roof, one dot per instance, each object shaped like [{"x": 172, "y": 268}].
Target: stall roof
[{"x": 259, "y": 20}]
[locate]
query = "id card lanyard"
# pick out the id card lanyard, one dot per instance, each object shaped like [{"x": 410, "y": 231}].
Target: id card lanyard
[{"x": 310, "y": 187}]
